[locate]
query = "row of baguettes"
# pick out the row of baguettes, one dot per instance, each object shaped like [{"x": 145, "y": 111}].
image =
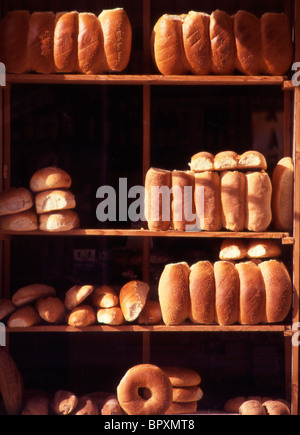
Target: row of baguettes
[
  {"x": 66, "y": 42},
  {"x": 209, "y": 201},
  {"x": 202, "y": 44},
  {"x": 225, "y": 293}
]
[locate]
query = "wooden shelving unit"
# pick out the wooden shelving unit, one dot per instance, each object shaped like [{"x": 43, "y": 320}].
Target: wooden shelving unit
[{"x": 291, "y": 98}]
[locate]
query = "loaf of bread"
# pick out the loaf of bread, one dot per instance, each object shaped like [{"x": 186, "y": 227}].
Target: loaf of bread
[
  {"x": 64, "y": 402},
  {"x": 202, "y": 161},
  {"x": 76, "y": 295},
  {"x": 187, "y": 395},
  {"x": 276, "y": 407},
  {"x": 24, "y": 317},
  {"x": 31, "y": 293},
  {"x": 65, "y": 42},
  {"x": 41, "y": 42},
  {"x": 105, "y": 297},
  {"x": 283, "y": 195},
  {"x": 19, "y": 222},
  {"x": 277, "y": 45},
  {"x": 173, "y": 291},
  {"x": 279, "y": 290},
  {"x": 263, "y": 249},
  {"x": 90, "y": 45},
  {"x": 50, "y": 178},
  {"x": 202, "y": 293},
  {"x": 233, "y": 187},
  {"x": 252, "y": 160},
  {"x": 133, "y": 297},
  {"x": 82, "y": 316},
  {"x": 111, "y": 316},
  {"x": 52, "y": 310},
  {"x": 252, "y": 294},
  {"x": 58, "y": 222},
  {"x": 226, "y": 161},
  {"x": 14, "y": 30},
  {"x": 247, "y": 32},
  {"x": 11, "y": 383},
  {"x": 252, "y": 407},
  {"x": 227, "y": 293},
  {"x": 158, "y": 199},
  {"x": 117, "y": 33},
  {"x": 15, "y": 200},
  {"x": 258, "y": 201},
  {"x": 151, "y": 314},
  {"x": 112, "y": 407},
  {"x": 183, "y": 207},
  {"x": 197, "y": 43},
  {"x": 223, "y": 49},
  {"x": 208, "y": 201},
  {"x": 168, "y": 46},
  {"x": 52, "y": 200},
  {"x": 6, "y": 308},
  {"x": 233, "y": 250},
  {"x": 181, "y": 377}
]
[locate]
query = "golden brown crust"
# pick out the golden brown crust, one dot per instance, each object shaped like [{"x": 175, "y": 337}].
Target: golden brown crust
[
  {"x": 50, "y": 178},
  {"x": 252, "y": 160},
  {"x": 52, "y": 310},
  {"x": 202, "y": 293},
  {"x": 112, "y": 407},
  {"x": 202, "y": 162},
  {"x": 208, "y": 201},
  {"x": 111, "y": 316},
  {"x": 105, "y": 297},
  {"x": 223, "y": 50},
  {"x": 65, "y": 42},
  {"x": 76, "y": 295},
  {"x": 59, "y": 221},
  {"x": 233, "y": 186},
  {"x": 20, "y": 222},
  {"x": 232, "y": 250},
  {"x": 133, "y": 297},
  {"x": 53, "y": 200},
  {"x": 182, "y": 408},
  {"x": 82, "y": 316},
  {"x": 181, "y": 377},
  {"x": 183, "y": 208},
  {"x": 252, "y": 407},
  {"x": 24, "y": 317},
  {"x": 227, "y": 293},
  {"x": 263, "y": 249},
  {"x": 151, "y": 314},
  {"x": 187, "y": 394},
  {"x": 258, "y": 201},
  {"x": 40, "y": 42},
  {"x": 31, "y": 293},
  {"x": 90, "y": 45},
  {"x": 226, "y": 161},
  {"x": 276, "y": 407}
]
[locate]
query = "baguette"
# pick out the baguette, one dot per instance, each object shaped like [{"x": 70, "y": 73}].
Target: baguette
[
  {"x": 202, "y": 293},
  {"x": 283, "y": 195},
  {"x": 82, "y": 316},
  {"x": 41, "y": 42},
  {"x": 223, "y": 50}
]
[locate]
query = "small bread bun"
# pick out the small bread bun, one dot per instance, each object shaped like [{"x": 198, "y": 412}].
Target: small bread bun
[
  {"x": 105, "y": 297},
  {"x": 49, "y": 179},
  {"x": 133, "y": 297},
  {"x": 52, "y": 310},
  {"x": 65, "y": 42},
  {"x": 202, "y": 161},
  {"x": 82, "y": 316},
  {"x": 20, "y": 222},
  {"x": 181, "y": 377},
  {"x": 233, "y": 250},
  {"x": 253, "y": 160},
  {"x": 226, "y": 161},
  {"x": 252, "y": 407},
  {"x": 112, "y": 407},
  {"x": 263, "y": 249},
  {"x": 151, "y": 314},
  {"x": 276, "y": 407},
  {"x": 24, "y": 317},
  {"x": 187, "y": 395},
  {"x": 76, "y": 295},
  {"x": 53, "y": 200},
  {"x": 41, "y": 42},
  {"x": 16, "y": 200},
  {"x": 58, "y": 222},
  {"x": 6, "y": 308},
  {"x": 111, "y": 316},
  {"x": 31, "y": 293},
  {"x": 64, "y": 402}
]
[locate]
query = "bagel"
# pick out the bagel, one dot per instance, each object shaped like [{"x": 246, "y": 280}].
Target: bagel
[{"x": 147, "y": 377}]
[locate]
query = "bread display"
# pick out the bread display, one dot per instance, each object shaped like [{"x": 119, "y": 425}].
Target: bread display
[
  {"x": 65, "y": 42},
  {"x": 20, "y": 222},
  {"x": 50, "y": 178},
  {"x": 283, "y": 195},
  {"x": 40, "y": 42},
  {"x": 52, "y": 200},
  {"x": 183, "y": 208},
  {"x": 258, "y": 201},
  {"x": 15, "y": 200},
  {"x": 158, "y": 201},
  {"x": 202, "y": 293},
  {"x": 239, "y": 249},
  {"x": 233, "y": 188},
  {"x": 263, "y": 249},
  {"x": 208, "y": 201},
  {"x": 133, "y": 297},
  {"x": 31, "y": 293},
  {"x": 227, "y": 293}
]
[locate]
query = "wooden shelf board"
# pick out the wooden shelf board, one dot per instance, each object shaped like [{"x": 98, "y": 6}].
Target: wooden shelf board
[{"x": 147, "y": 80}]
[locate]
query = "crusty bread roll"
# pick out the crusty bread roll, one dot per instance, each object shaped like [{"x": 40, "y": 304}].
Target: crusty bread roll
[
  {"x": 223, "y": 50},
  {"x": 111, "y": 316},
  {"x": 49, "y": 179},
  {"x": 276, "y": 407},
  {"x": 227, "y": 293},
  {"x": 133, "y": 297},
  {"x": 202, "y": 293},
  {"x": 52, "y": 310},
  {"x": 247, "y": 32},
  {"x": 76, "y": 295},
  {"x": 15, "y": 200},
  {"x": 13, "y": 41},
  {"x": 252, "y": 407},
  {"x": 90, "y": 45},
  {"x": 24, "y": 317},
  {"x": 117, "y": 33},
  {"x": 277, "y": 45},
  {"x": 151, "y": 314},
  {"x": 173, "y": 291},
  {"x": 232, "y": 250},
  {"x": 168, "y": 47},
  {"x": 202, "y": 161},
  {"x": 158, "y": 199},
  {"x": 252, "y": 160},
  {"x": 65, "y": 42},
  {"x": 232, "y": 406},
  {"x": 252, "y": 294},
  {"x": 31, "y": 293},
  {"x": 86, "y": 406},
  {"x": 279, "y": 290},
  {"x": 181, "y": 377},
  {"x": 196, "y": 42},
  {"x": 19, "y": 222},
  {"x": 105, "y": 297},
  {"x": 258, "y": 201},
  {"x": 182, "y": 408},
  {"x": 263, "y": 249},
  {"x": 57, "y": 222},
  {"x": 52, "y": 200},
  {"x": 183, "y": 206},
  {"x": 112, "y": 407},
  {"x": 187, "y": 394},
  {"x": 6, "y": 308},
  {"x": 283, "y": 195},
  {"x": 64, "y": 402},
  {"x": 233, "y": 187},
  {"x": 40, "y": 42},
  {"x": 226, "y": 161},
  {"x": 208, "y": 201},
  {"x": 82, "y": 316}
]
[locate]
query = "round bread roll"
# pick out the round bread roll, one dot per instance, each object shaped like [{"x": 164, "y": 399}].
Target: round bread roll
[
  {"x": 252, "y": 294},
  {"x": 187, "y": 395},
  {"x": 133, "y": 297},
  {"x": 173, "y": 291},
  {"x": 52, "y": 310},
  {"x": 76, "y": 295},
  {"x": 117, "y": 33},
  {"x": 38, "y": 404},
  {"x": 276, "y": 407},
  {"x": 90, "y": 45},
  {"x": 24, "y": 317},
  {"x": 227, "y": 293},
  {"x": 19, "y": 222},
  {"x": 283, "y": 195},
  {"x": 65, "y": 42},
  {"x": 252, "y": 407},
  {"x": 111, "y": 316},
  {"x": 86, "y": 406},
  {"x": 182, "y": 408},
  {"x": 226, "y": 161},
  {"x": 202, "y": 293},
  {"x": 105, "y": 297},
  {"x": 31, "y": 293},
  {"x": 181, "y": 377},
  {"x": 64, "y": 402},
  {"x": 202, "y": 162},
  {"x": 59, "y": 221},
  {"x": 41, "y": 42},
  {"x": 151, "y": 378},
  {"x": 208, "y": 201},
  {"x": 223, "y": 50},
  {"x": 232, "y": 250},
  {"x": 82, "y": 316},
  {"x": 258, "y": 201},
  {"x": 279, "y": 290},
  {"x": 6, "y": 308},
  {"x": 151, "y": 314},
  {"x": 158, "y": 199},
  {"x": 263, "y": 249},
  {"x": 49, "y": 179},
  {"x": 52, "y": 200},
  {"x": 233, "y": 186},
  {"x": 253, "y": 160},
  {"x": 112, "y": 407},
  {"x": 232, "y": 406},
  {"x": 16, "y": 200}
]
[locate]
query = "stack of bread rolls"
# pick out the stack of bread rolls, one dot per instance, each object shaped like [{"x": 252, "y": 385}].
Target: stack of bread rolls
[
  {"x": 17, "y": 210},
  {"x": 257, "y": 406},
  {"x": 202, "y": 44},
  {"x": 240, "y": 249},
  {"x": 65, "y": 42}
]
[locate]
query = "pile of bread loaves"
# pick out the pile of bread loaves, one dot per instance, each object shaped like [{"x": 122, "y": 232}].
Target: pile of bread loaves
[
  {"x": 66, "y": 42},
  {"x": 48, "y": 205},
  {"x": 223, "y": 191},
  {"x": 204, "y": 44}
]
